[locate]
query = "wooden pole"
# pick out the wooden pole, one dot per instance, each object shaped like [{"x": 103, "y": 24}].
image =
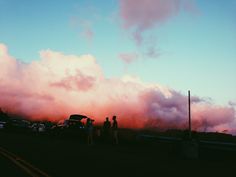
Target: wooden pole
[{"x": 189, "y": 115}]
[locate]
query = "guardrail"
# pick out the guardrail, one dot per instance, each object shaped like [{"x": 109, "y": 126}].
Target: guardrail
[{"x": 202, "y": 143}]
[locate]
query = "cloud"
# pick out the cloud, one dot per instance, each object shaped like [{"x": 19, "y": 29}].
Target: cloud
[
  {"x": 87, "y": 31},
  {"x": 3, "y": 50},
  {"x": 83, "y": 19},
  {"x": 58, "y": 85},
  {"x": 89, "y": 34},
  {"x": 76, "y": 82},
  {"x": 142, "y": 15},
  {"x": 153, "y": 52},
  {"x": 139, "y": 16},
  {"x": 128, "y": 57},
  {"x": 232, "y": 103},
  {"x": 83, "y": 26}
]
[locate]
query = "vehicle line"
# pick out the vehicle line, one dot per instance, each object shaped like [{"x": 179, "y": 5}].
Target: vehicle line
[{"x": 22, "y": 164}]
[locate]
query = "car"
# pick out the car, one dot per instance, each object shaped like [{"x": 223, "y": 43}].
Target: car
[
  {"x": 38, "y": 127},
  {"x": 3, "y": 124},
  {"x": 75, "y": 121},
  {"x": 18, "y": 124},
  {"x": 41, "y": 128},
  {"x": 4, "y": 119},
  {"x": 73, "y": 126}
]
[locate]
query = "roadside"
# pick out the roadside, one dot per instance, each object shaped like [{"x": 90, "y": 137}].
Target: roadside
[{"x": 72, "y": 157}]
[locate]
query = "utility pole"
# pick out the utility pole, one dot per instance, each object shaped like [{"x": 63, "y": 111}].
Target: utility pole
[{"x": 189, "y": 115}]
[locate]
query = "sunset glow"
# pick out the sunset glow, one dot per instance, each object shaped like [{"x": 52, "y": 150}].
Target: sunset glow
[{"x": 131, "y": 58}]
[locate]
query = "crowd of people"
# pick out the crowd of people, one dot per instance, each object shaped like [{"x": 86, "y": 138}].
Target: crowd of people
[{"x": 109, "y": 130}]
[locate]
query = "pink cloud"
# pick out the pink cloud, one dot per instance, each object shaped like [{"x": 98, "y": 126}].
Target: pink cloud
[
  {"x": 139, "y": 16},
  {"x": 146, "y": 14},
  {"x": 128, "y": 57},
  {"x": 58, "y": 85},
  {"x": 83, "y": 26},
  {"x": 3, "y": 50},
  {"x": 153, "y": 52},
  {"x": 88, "y": 33},
  {"x": 232, "y": 103},
  {"x": 83, "y": 18},
  {"x": 86, "y": 29},
  {"x": 76, "y": 82}
]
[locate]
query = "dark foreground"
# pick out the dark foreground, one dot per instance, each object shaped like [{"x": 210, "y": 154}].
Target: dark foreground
[{"x": 63, "y": 157}]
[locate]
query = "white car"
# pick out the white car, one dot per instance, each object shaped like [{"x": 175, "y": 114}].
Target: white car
[
  {"x": 2, "y": 124},
  {"x": 41, "y": 128},
  {"x": 38, "y": 127}
]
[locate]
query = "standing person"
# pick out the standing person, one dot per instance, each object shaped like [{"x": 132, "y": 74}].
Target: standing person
[
  {"x": 89, "y": 127},
  {"x": 106, "y": 128},
  {"x": 115, "y": 129}
]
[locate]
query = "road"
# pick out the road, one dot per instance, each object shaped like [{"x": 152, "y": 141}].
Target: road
[
  {"x": 9, "y": 169},
  {"x": 71, "y": 158},
  {"x": 12, "y": 163}
]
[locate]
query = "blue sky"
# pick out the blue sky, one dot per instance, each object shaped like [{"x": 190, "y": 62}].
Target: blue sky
[{"x": 197, "y": 50}]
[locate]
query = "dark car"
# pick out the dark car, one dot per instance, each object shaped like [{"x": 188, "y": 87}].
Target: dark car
[
  {"x": 3, "y": 124},
  {"x": 19, "y": 124},
  {"x": 73, "y": 126},
  {"x": 75, "y": 121},
  {"x": 4, "y": 119}
]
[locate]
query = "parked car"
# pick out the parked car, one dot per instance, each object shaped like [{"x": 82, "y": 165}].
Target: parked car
[
  {"x": 4, "y": 119},
  {"x": 18, "y": 124},
  {"x": 73, "y": 126},
  {"x": 75, "y": 121},
  {"x": 41, "y": 128},
  {"x": 3, "y": 124},
  {"x": 38, "y": 127}
]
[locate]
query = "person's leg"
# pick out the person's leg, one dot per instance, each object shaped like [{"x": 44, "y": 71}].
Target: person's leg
[
  {"x": 91, "y": 137},
  {"x": 88, "y": 138},
  {"x": 116, "y": 137}
]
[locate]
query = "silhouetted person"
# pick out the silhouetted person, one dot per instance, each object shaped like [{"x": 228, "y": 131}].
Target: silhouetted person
[
  {"x": 115, "y": 129},
  {"x": 3, "y": 115},
  {"x": 107, "y": 128},
  {"x": 98, "y": 132},
  {"x": 89, "y": 128}
]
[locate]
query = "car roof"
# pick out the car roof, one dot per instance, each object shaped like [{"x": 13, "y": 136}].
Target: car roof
[{"x": 77, "y": 117}]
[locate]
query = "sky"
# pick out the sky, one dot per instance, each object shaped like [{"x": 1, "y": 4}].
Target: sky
[{"x": 175, "y": 45}]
